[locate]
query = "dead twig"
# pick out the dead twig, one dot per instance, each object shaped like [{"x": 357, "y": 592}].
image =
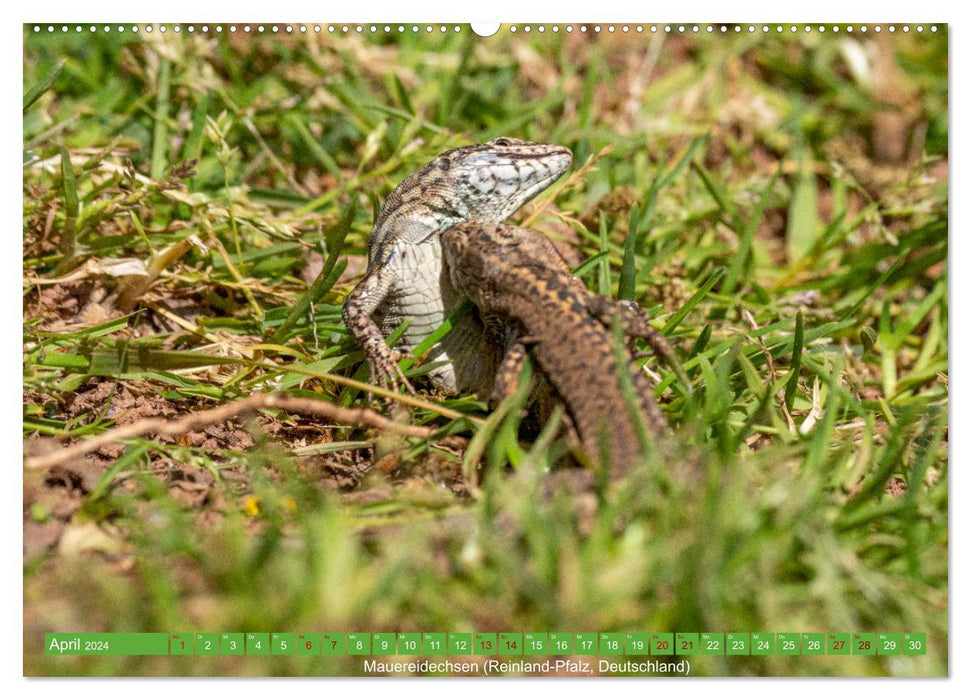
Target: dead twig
[{"x": 170, "y": 428}]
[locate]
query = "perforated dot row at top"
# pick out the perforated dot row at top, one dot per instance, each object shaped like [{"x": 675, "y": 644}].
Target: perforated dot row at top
[
  {"x": 732, "y": 28},
  {"x": 514, "y": 28},
  {"x": 243, "y": 28}
]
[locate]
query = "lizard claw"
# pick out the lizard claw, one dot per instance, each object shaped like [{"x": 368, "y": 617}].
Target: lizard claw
[{"x": 386, "y": 372}]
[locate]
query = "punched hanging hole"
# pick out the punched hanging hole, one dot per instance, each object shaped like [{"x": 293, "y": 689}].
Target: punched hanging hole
[{"x": 485, "y": 28}]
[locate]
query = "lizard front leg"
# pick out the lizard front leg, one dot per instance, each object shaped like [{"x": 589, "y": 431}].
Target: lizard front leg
[{"x": 358, "y": 307}]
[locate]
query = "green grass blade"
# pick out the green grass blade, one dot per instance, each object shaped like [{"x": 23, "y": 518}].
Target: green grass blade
[
  {"x": 318, "y": 151},
  {"x": 693, "y": 301},
  {"x": 718, "y": 194},
  {"x": 161, "y": 132},
  {"x": 593, "y": 261},
  {"x": 603, "y": 278},
  {"x": 797, "y": 342},
  {"x": 689, "y": 154},
  {"x": 628, "y": 269},
  {"x": 702, "y": 342},
  {"x": 69, "y": 184},
  {"x": 43, "y": 85},
  {"x": 325, "y": 279},
  {"x": 740, "y": 259},
  {"x": 802, "y": 227}
]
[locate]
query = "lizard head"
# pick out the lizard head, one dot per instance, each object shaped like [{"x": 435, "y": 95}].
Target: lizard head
[
  {"x": 484, "y": 182},
  {"x": 496, "y": 178}
]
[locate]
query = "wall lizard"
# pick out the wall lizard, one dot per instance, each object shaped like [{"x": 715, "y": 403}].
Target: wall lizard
[
  {"x": 517, "y": 279},
  {"x": 485, "y": 182}
]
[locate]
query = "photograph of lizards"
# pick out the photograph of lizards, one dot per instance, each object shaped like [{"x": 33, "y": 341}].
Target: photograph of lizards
[
  {"x": 577, "y": 342},
  {"x": 406, "y": 279}
]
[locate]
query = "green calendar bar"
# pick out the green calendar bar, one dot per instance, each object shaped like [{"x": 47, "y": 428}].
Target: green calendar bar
[
  {"x": 107, "y": 644},
  {"x": 532, "y": 644}
]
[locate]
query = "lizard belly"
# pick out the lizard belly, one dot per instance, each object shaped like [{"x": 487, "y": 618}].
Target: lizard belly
[{"x": 428, "y": 299}]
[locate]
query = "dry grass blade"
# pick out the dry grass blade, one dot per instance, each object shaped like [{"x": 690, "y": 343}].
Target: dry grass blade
[{"x": 169, "y": 428}]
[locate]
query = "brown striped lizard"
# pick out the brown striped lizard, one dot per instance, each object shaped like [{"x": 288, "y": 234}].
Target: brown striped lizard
[{"x": 518, "y": 281}]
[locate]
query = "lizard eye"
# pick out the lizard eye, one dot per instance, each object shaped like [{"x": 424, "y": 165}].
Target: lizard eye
[{"x": 501, "y": 141}]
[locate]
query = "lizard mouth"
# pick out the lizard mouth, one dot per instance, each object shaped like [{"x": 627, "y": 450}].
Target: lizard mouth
[
  {"x": 502, "y": 183},
  {"x": 556, "y": 164},
  {"x": 539, "y": 175}
]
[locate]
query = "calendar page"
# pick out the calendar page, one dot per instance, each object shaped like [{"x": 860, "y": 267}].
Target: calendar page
[{"x": 464, "y": 350}]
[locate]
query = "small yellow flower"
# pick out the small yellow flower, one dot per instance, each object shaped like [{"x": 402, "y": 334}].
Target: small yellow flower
[{"x": 251, "y": 506}]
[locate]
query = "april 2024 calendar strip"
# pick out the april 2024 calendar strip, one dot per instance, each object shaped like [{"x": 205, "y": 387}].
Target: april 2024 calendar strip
[{"x": 487, "y": 644}]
